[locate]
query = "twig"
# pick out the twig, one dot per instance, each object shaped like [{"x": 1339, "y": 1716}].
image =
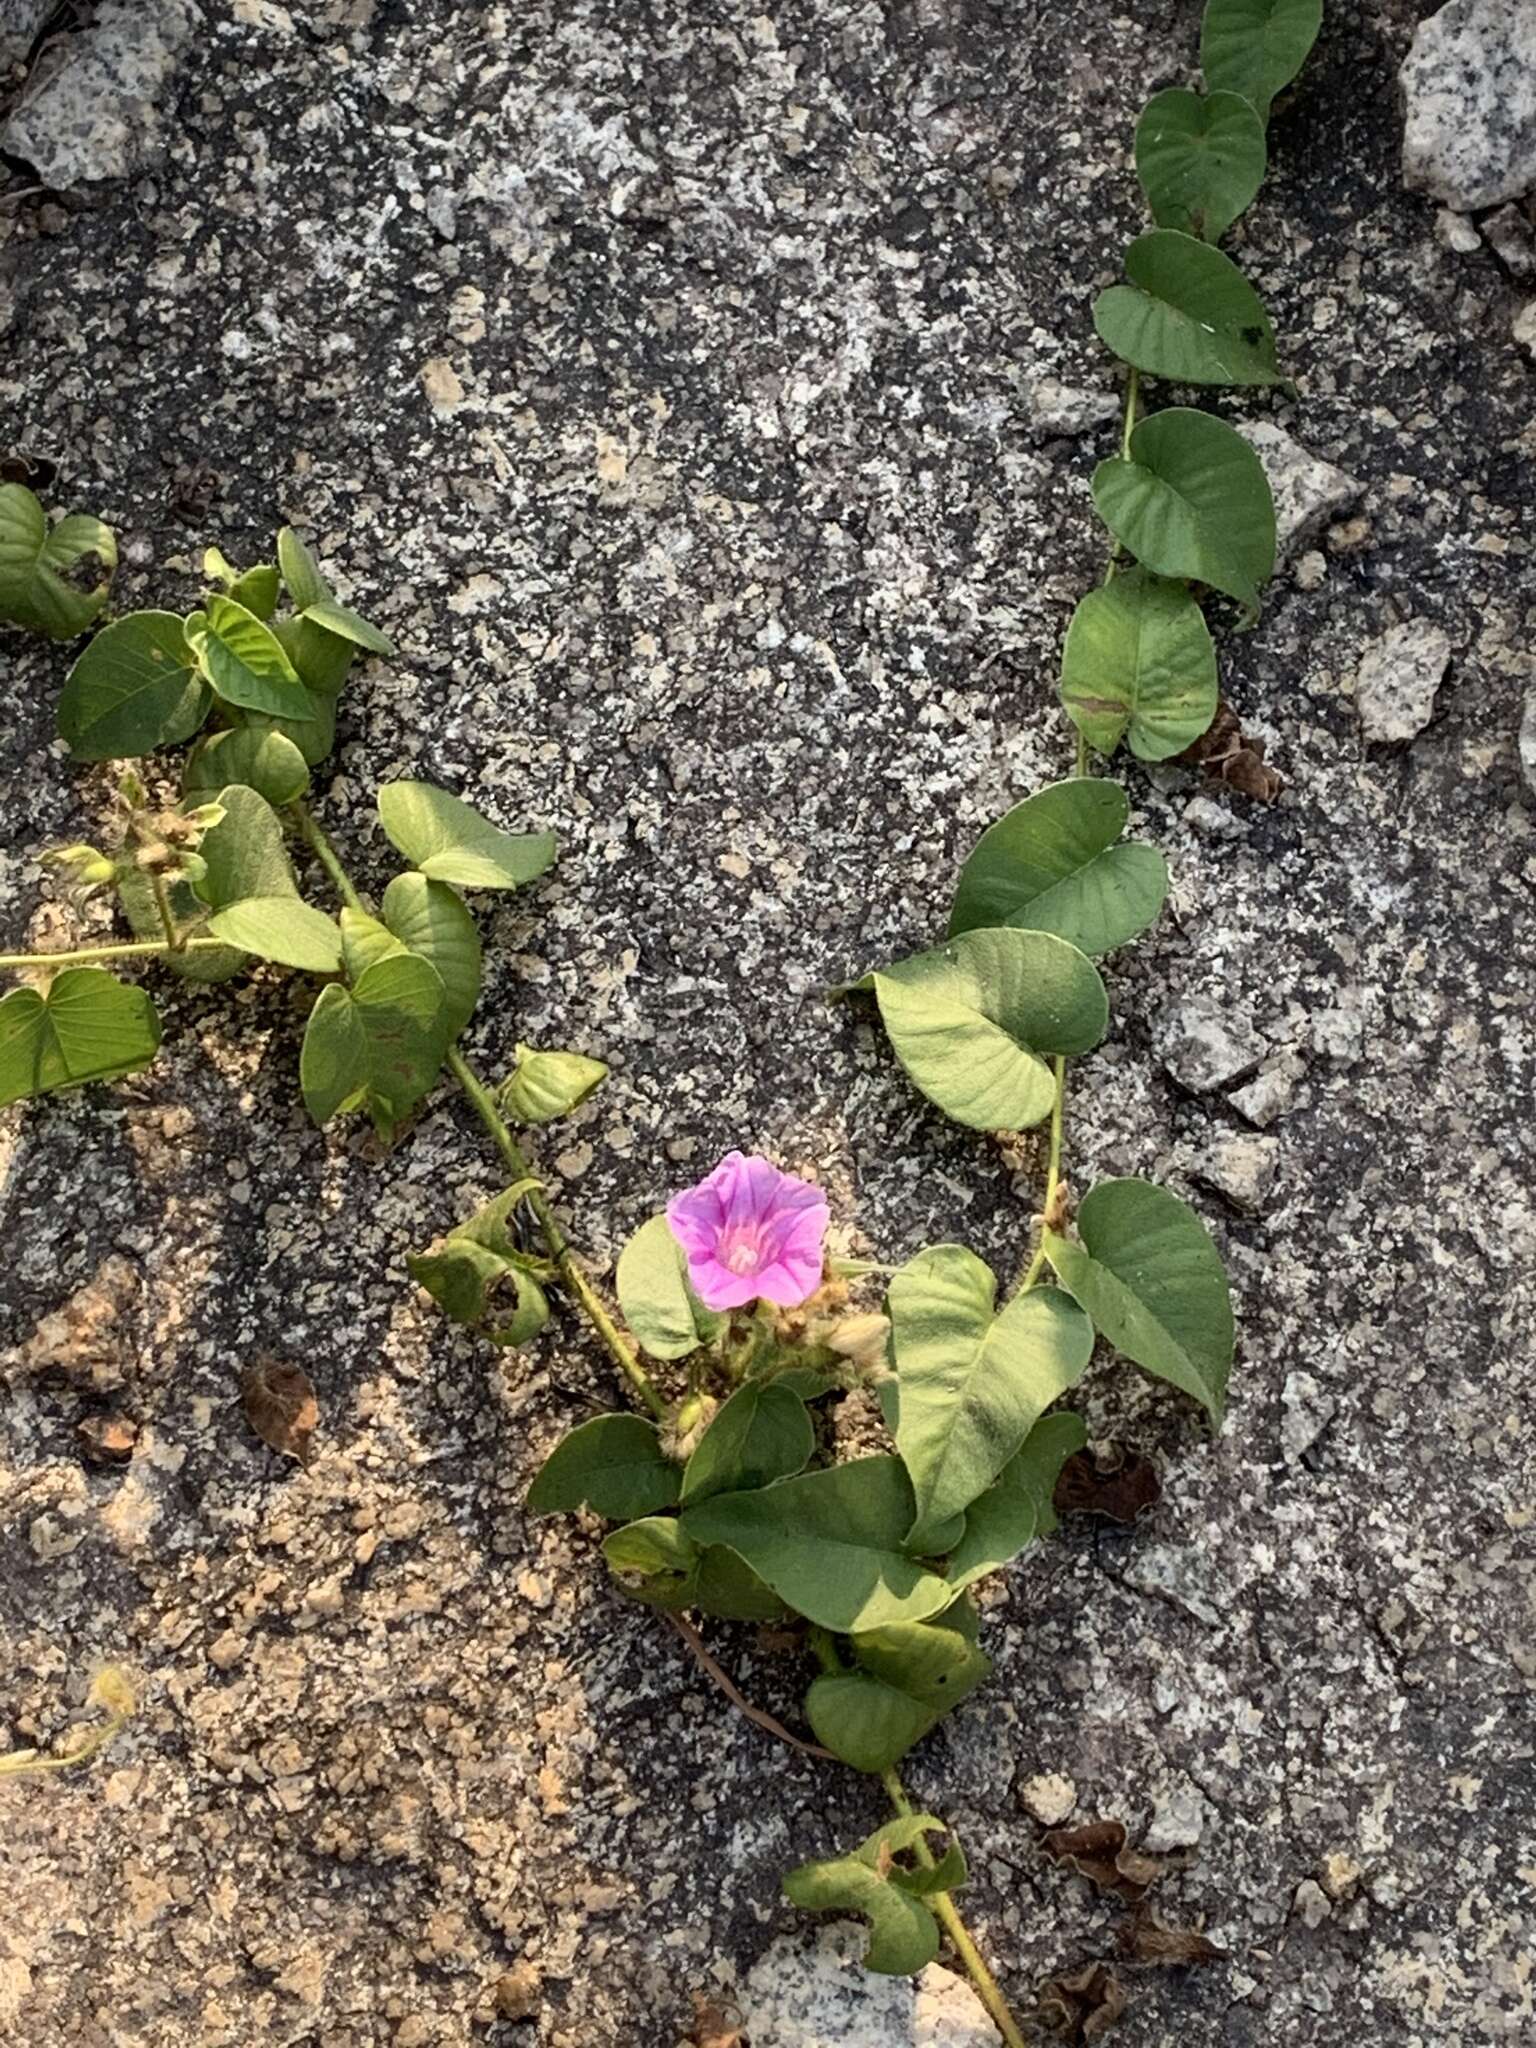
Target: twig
[{"x": 733, "y": 1693}]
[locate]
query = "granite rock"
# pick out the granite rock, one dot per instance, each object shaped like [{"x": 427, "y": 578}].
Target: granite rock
[
  {"x": 1309, "y": 493},
  {"x": 99, "y": 112},
  {"x": 1469, "y": 86},
  {"x": 808, "y": 1991},
  {"x": 1398, "y": 678},
  {"x": 1207, "y": 1045}
]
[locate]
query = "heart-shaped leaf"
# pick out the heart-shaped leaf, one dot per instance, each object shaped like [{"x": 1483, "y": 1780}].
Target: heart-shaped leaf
[
  {"x": 477, "y": 1275},
  {"x": 969, "y": 1019},
  {"x": 34, "y": 590},
  {"x": 1256, "y": 47},
  {"x": 257, "y": 590},
  {"x": 1051, "y": 865},
  {"x": 1192, "y": 501},
  {"x": 322, "y": 659},
  {"x": 282, "y": 928},
  {"x": 135, "y": 688},
  {"x": 1188, "y": 314},
  {"x": 971, "y": 1383},
  {"x": 1153, "y": 1282},
  {"x": 546, "y": 1085},
  {"x": 909, "y": 1677},
  {"x": 267, "y": 762},
  {"x": 450, "y": 841},
  {"x": 364, "y": 940},
  {"x": 314, "y": 737},
  {"x": 882, "y": 1881},
  {"x": 831, "y": 1544},
  {"x": 1138, "y": 665},
  {"x": 1200, "y": 161},
  {"x": 244, "y": 854},
  {"x": 665, "y": 1314},
  {"x": 429, "y": 919},
  {"x": 1016, "y": 1508},
  {"x": 336, "y": 618},
  {"x": 380, "y": 1042},
  {"x": 762, "y": 1433},
  {"x": 613, "y": 1465},
  {"x": 245, "y": 662},
  {"x": 301, "y": 572},
  {"x": 88, "y": 1027}
]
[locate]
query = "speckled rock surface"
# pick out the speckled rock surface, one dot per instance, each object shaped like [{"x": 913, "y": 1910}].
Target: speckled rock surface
[
  {"x": 660, "y": 378},
  {"x": 1469, "y": 87},
  {"x": 91, "y": 109}
]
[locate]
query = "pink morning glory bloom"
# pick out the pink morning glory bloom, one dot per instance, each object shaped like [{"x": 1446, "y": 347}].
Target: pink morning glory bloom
[{"x": 750, "y": 1232}]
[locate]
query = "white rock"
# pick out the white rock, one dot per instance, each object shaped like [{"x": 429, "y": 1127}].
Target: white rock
[
  {"x": 1306, "y": 1411},
  {"x": 1528, "y": 742},
  {"x": 1178, "y": 1822},
  {"x": 1398, "y": 676},
  {"x": 1056, "y": 408},
  {"x": 1184, "y": 1577},
  {"x": 1523, "y": 327},
  {"x": 20, "y": 21},
  {"x": 810, "y": 1991},
  {"x": 1310, "y": 1903},
  {"x": 1205, "y": 1046},
  {"x": 95, "y": 116},
  {"x": 1308, "y": 492},
  {"x": 1454, "y": 231},
  {"x": 1508, "y": 235},
  {"x": 1469, "y": 82},
  {"x": 1268, "y": 1095},
  {"x": 1241, "y": 1167},
  {"x": 1048, "y": 1798}
]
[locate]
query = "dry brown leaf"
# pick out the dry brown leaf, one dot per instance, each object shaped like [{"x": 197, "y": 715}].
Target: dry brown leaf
[
  {"x": 280, "y": 1405},
  {"x": 1226, "y": 752},
  {"x": 108, "y": 1439},
  {"x": 716, "y": 2025},
  {"x": 1086, "y": 2006},
  {"x": 1098, "y": 1851},
  {"x": 1111, "y": 1481},
  {"x": 1148, "y": 1940}
]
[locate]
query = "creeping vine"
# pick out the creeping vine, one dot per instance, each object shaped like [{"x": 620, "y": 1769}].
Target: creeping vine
[{"x": 735, "y": 1324}]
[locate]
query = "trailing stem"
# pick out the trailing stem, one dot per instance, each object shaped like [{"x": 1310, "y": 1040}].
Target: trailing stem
[
  {"x": 1035, "y": 1266},
  {"x": 127, "y": 949},
  {"x": 483, "y": 1103}
]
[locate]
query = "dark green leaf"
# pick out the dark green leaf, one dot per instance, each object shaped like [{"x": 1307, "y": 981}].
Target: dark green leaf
[
  {"x": 723, "y": 1584},
  {"x": 1256, "y": 47},
  {"x": 1150, "y": 1277},
  {"x": 257, "y": 590},
  {"x": 450, "y": 841},
  {"x": 665, "y": 1314},
  {"x": 1200, "y": 161},
  {"x": 656, "y": 1559},
  {"x": 1188, "y": 314},
  {"x": 969, "y": 1019},
  {"x": 904, "y": 1936},
  {"x": 546, "y": 1085},
  {"x": 335, "y": 618},
  {"x": 971, "y": 1383},
  {"x": 301, "y": 572},
  {"x": 482, "y": 1288},
  {"x": 831, "y": 1544},
  {"x": 34, "y": 591},
  {"x": 380, "y": 1041},
  {"x": 245, "y": 662},
  {"x": 866, "y": 1725},
  {"x": 314, "y": 737},
  {"x": 1138, "y": 665},
  {"x": 1052, "y": 865},
  {"x": 244, "y": 854},
  {"x": 88, "y": 1027},
  {"x": 135, "y": 688},
  {"x": 1192, "y": 501},
  {"x": 762, "y": 1433},
  {"x": 430, "y": 920},
  {"x": 267, "y": 762},
  {"x": 909, "y": 1678},
  {"x": 135, "y": 892},
  {"x": 282, "y": 928},
  {"x": 323, "y": 660},
  {"x": 1016, "y": 1508},
  {"x": 613, "y": 1465}
]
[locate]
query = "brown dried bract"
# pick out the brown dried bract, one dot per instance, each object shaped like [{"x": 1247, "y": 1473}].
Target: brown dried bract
[
  {"x": 108, "y": 1439},
  {"x": 1086, "y": 2006},
  {"x": 280, "y": 1405},
  {"x": 1098, "y": 1851},
  {"x": 1108, "y": 1481},
  {"x": 1226, "y": 752},
  {"x": 716, "y": 2025},
  {"x": 1147, "y": 1940}
]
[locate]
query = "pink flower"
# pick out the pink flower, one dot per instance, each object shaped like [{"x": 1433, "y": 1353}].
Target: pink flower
[{"x": 750, "y": 1233}]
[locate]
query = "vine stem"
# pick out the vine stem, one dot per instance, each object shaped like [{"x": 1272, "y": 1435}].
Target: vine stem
[
  {"x": 127, "y": 949},
  {"x": 943, "y": 1908},
  {"x": 483, "y": 1103},
  {"x": 1036, "y": 1265}
]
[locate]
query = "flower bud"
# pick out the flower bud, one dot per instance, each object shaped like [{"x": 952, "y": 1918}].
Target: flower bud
[
  {"x": 545, "y": 1085},
  {"x": 87, "y": 867}
]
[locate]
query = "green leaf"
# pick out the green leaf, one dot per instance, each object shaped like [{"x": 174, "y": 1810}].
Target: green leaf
[
  {"x": 1192, "y": 501},
  {"x": 725, "y": 1585},
  {"x": 431, "y": 921},
  {"x": 968, "y": 1020},
  {"x": 972, "y": 1383},
  {"x": 1051, "y": 865},
  {"x": 336, "y": 618},
  {"x": 301, "y": 572},
  {"x": 245, "y": 662},
  {"x": 88, "y": 1027},
  {"x": 904, "y": 1936},
  {"x": 831, "y": 1543},
  {"x": 1016, "y": 1508},
  {"x": 364, "y": 940},
  {"x": 656, "y": 1559},
  {"x": 322, "y": 659},
  {"x": 267, "y": 762},
  {"x": 1153, "y": 1282},
  {"x": 1256, "y": 47},
  {"x": 379, "y": 1042},
  {"x": 762, "y": 1433},
  {"x": 546, "y": 1085},
  {"x": 450, "y": 841},
  {"x": 910, "y": 1676},
  {"x": 135, "y": 688},
  {"x": 282, "y": 928},
  {"x": 244, "y": 854},
  {"x": 662, "y": 1310},
  {"x": 314, "y": 737},
  {"x": 1138, "y": 665},
  {"x": 257, "y": 590},
  {"x": 1200, "y": 161},
  {"x": 613, "y": 1465},
  {"x": 1188, "y": 314},
  {"x": 472, "y": 1285},
  {"x": 135, "y": 892},
  {"x": 33, "y": 590}
]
